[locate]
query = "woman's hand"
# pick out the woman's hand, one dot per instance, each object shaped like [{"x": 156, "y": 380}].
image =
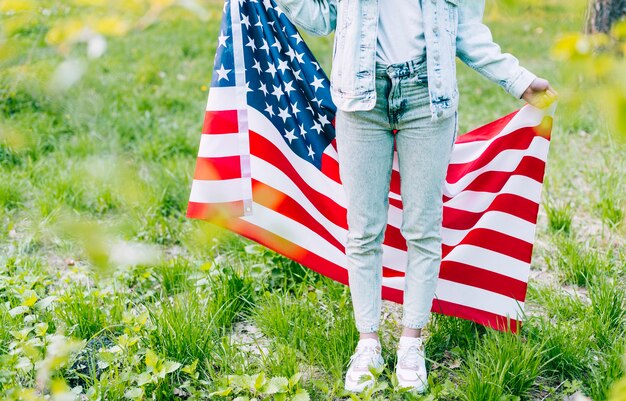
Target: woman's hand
[{"x": 539, "y": 93}]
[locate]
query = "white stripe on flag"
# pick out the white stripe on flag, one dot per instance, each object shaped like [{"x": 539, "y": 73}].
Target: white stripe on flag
[
  {"x": 217, "y": 191},
  {"x": 223, "y": 98},
  {"x": 504, "y": 223},
  {"x": 489, "y": 260},
  {"x": 477, "y": 201},
  {"x": 466, "y": 295},
  {"x": 218, "y": 145}
]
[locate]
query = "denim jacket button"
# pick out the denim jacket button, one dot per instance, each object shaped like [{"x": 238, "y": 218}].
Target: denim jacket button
[
  {"x": 440, "y": 113},
  {"x": 435, "y": 29}
]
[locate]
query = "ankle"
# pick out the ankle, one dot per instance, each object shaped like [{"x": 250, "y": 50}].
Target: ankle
[
  {"x": 406, "y": 341},
  {"x": 374, "y": 335},
  {"x": 410, "y": 332}
]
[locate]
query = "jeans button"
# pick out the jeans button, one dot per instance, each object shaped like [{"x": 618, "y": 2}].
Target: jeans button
[{"x": 440, "y": 113}]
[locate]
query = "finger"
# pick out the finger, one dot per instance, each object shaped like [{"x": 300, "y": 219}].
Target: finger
[
  {"x": 540, "y": 84},
  {"x": 553, "y": 92}
]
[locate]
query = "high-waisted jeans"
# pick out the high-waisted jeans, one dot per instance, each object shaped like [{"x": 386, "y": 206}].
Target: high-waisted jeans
[{"x": 365, "y": 142}]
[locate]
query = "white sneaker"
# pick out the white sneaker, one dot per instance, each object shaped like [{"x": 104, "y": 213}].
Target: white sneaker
[
  {"x": 411, "y": 366},
  {"x": 368, "y": 353}
]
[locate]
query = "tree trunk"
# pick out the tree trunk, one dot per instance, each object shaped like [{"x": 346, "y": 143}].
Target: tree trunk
[{"x": 602, "y": 14}]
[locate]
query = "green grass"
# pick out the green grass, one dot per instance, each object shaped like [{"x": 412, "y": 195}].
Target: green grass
[
  {"x": 559, "y": 218},
  {"x": 578, "y": 263},
  {"x": 119, "y": 148},
  {"x": 84, "y": 312},
  {"x": 502, "y": 364}
]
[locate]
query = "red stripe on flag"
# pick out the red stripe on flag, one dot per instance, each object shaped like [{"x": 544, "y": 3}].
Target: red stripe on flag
[
  {"x": 218, "y": 168},
  {"x": 494, "y": 181},
  {"x": 264, "y": 149},
  {"x": 495, "y": 241},
  {"x": 492, "y": 320},
  {"x": 479, "y": 316},
  {"x": 488, "y": 131},
  {"x": 389, "y": 272},
  {"x": 507, "y": 203},
  {"x": 214, "y": 211},
  {"x": 481, "y": 278},
  {"x": 220, "y": 122},
  {"x": 395, "y": 202},
  {"x": 275, "y": 200},
  {"x": 394, "y": 186},
  {"x": 518, "y": 140},
  {"x": 330, "y": 168},
  {"x": 394, "y": 238}
]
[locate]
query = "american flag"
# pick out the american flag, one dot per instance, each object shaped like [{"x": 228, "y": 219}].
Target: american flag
[{"x": 267, "y": 169}]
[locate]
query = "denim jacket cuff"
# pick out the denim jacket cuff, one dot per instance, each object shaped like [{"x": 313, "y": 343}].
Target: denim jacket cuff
[{"x": 520, "y": 83}]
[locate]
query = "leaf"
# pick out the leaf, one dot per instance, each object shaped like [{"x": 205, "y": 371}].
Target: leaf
[
  {"x": 379, "y": 386},
  {"x": 376, "y": 371},
  {"x": 30, "y": 297},
  {"x": 170, "y": 366},
  {"x": 222, "y": 393},
  {"x": 238, "y": 380},
  {"x": 18, "y": 310},
  {"x": 191, "y": 369},
  {"x": 294, "y": 379},
  {"x": 250, "y": 381},
  {"x": 134, "y": 393},
  {"x": 321, "y": 385},
  {"x": 143, "y": 378},
  {"x": 276, "y": 385},
  {"x": 301, "y": 395},
  {"x": 41, "y": 329},
  {"x": 259, "y": 381},
  {"x": 45, "y": 302},
  {"x": 151, "y": 359}
]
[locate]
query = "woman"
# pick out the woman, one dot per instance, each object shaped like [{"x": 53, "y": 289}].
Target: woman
[{"x": 394, "y": 79}]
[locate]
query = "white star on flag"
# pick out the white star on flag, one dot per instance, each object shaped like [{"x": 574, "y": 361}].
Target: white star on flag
[{"x": 222, "y": 73}]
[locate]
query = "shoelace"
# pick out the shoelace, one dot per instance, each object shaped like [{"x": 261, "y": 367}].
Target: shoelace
[
  {"x": 362, "y": 357},
  {"x": 410, "y": 358}
]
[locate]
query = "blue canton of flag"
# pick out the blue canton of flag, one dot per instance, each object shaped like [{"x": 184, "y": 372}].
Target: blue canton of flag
[
  {"x": 282, "y": 78},
  {"x": 224, "y": 64}
]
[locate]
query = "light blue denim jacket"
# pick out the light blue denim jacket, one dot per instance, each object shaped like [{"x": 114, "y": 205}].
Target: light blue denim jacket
[{"x": 451, "y": 28}]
